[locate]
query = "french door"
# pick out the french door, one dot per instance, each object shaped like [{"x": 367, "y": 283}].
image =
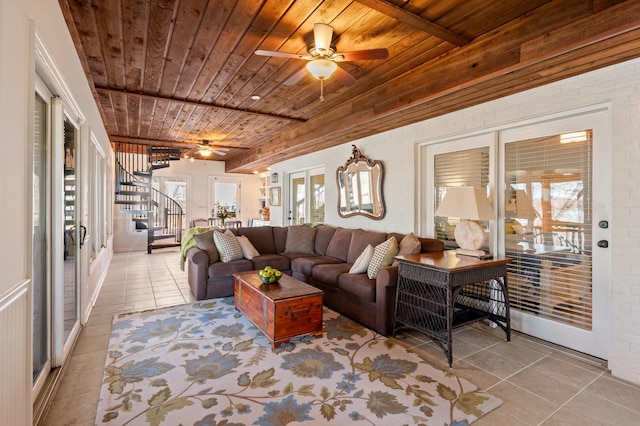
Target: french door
[
  {"x": 551, "y": 204},
  {"x": 554, "y": 179},
  {"x": 57, "y": 235}
]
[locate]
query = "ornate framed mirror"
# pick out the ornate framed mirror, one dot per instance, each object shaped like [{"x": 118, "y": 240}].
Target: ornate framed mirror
[{"x": 360, "y": 187}]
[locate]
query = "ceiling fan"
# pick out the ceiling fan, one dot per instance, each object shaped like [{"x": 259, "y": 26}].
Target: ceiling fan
[
  {"x": 205, "y": 149},
  {"x": 323, "y": 58}
]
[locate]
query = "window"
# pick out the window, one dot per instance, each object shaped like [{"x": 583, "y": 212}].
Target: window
[{"x": 459, "y": 168}]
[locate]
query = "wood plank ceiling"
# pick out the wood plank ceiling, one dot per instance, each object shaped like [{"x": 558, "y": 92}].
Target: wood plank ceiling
[{"x": 176, "y": 72}]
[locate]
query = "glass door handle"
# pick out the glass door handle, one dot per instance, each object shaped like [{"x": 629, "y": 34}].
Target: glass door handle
[{"x": 83, "y": 235}]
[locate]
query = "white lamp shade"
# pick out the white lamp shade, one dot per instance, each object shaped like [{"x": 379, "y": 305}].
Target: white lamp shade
[
  {"x": 322, "y": 68},
  {"x": 524, "y": 207},
  {"x": 466, "y": 202}
]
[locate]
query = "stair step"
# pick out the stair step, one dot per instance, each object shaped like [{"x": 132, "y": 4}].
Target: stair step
[
  {"x": 137, "y": 193},
  {"x": 136, "y": 183},
  {"x": 133, "y": 211},
  {"x": 164, "y": 245},
  {"x": 162, "y": 236},
  {"x": 160, "y": 166},
  {"x": 142, "y": 173},
  {"x": 130, "y": 202}
]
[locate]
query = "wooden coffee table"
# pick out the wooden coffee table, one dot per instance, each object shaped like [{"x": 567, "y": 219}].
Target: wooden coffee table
[{"x": 284, "y": 310}]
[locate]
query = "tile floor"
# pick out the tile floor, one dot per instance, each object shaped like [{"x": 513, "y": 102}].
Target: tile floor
[{"x": 540, "y": 383}]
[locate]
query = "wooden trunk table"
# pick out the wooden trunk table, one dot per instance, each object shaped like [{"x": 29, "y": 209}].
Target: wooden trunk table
[{"x": 284, "y": 310}]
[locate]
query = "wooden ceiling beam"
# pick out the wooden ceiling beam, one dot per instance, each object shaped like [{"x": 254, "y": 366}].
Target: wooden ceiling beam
[
  {"x": 415, "y": 21},
  {"x": 108, "y": 90},
  {"x": 166, "y": 143}
]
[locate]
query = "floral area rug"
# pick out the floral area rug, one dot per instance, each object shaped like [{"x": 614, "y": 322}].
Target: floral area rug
[{"x": 205, "y": 363}]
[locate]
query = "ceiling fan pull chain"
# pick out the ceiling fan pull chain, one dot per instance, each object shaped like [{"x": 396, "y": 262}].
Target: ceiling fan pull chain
[{"x": 322, "y": 90}]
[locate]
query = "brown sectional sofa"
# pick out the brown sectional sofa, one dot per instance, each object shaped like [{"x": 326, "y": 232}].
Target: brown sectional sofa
[{"x": 324, "y": 263}]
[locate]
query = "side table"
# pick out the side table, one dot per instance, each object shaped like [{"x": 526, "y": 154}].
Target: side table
[{"x": 439, "y": 291}]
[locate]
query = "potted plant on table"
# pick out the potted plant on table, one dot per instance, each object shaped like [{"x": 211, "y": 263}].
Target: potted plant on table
[
  {"x": 264, "y": 213},
  {"x": 221, "y": 212}
]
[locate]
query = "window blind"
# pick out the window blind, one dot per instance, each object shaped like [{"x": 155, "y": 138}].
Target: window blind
[{"x": 548, "y": 226}]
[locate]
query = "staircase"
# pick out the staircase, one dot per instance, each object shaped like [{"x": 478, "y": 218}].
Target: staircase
[{"x": 149, "y": 208}]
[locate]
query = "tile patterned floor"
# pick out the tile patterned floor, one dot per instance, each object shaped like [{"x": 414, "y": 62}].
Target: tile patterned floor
[{"x": 540, "y": 383}]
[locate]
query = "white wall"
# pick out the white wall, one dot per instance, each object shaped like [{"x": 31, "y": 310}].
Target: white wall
[
  {"x": 618, "y": 85},
  {"x": 19, "y": 22}
]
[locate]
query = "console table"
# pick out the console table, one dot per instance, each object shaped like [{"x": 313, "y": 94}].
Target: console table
[{"x": 439, "y": 291}]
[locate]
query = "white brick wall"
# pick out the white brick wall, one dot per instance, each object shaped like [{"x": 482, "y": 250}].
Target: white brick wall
[{"x": 620, "y": 87}]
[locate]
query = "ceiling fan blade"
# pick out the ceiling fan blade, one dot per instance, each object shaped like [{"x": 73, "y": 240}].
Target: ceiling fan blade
[
  {"x": 282, "y": 54},
  {"x": 362, "y": 55},
  {"x": 299, "y": 75},
  {"x": 344, "y": 77},
  {"x": 322, "y": 35},
  {"x": 219, "y": 152}
]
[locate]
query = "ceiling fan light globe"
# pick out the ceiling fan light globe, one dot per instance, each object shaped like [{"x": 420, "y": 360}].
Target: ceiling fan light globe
[{"x": 322, "y": 68}]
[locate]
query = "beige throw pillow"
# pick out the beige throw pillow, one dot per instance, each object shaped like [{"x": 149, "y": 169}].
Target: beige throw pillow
[
  {"x": 383, "y": 256},
  {"x": 361, "y": 264},
  {"x": 410, "y": 244},
  {"x": 227, "y": 246},
  {"x": 248, "y": 250}
]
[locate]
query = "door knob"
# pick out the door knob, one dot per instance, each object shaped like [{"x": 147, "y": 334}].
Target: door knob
[{"x": 603, "y": 243}]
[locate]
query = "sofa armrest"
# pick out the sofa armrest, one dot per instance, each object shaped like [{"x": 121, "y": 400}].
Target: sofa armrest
[
  {"x": 198, "y": 272},
  {"x": 386, "y": 284}
]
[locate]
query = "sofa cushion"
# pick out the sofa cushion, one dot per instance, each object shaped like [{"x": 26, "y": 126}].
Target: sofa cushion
[
  {"x": 323, "y": 238},
  {"x": 205, "y": 242},
  {"x": 300, "y": 239},
  {"x": 328, "y": 273},
  {"x": 261, "y": 237},
  {"x": 248, "y": 250},
  {"x": 227, "y": 246},
  {"x": 305, "y": 264},
  {"x": 226, "y": 269},
  {"x": 339, "y": 244},
  {"x": 360, "y": 239},
  {"x": 361, "y": 264},
  {"x": 277, "y": 261},
  {"x": 280, "y": 237},
  {"x": 360, "y": 285},
  {"x": 383, "y": 256}
]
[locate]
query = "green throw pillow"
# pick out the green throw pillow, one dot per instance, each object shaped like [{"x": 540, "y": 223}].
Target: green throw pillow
[{"x": 383, "y": 256}]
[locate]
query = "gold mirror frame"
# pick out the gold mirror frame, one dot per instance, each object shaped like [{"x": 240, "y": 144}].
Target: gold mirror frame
[{"x": 360, "y": 187}]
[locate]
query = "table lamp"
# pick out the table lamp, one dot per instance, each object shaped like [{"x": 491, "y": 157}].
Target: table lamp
[{"x": 470, "y": 205}]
